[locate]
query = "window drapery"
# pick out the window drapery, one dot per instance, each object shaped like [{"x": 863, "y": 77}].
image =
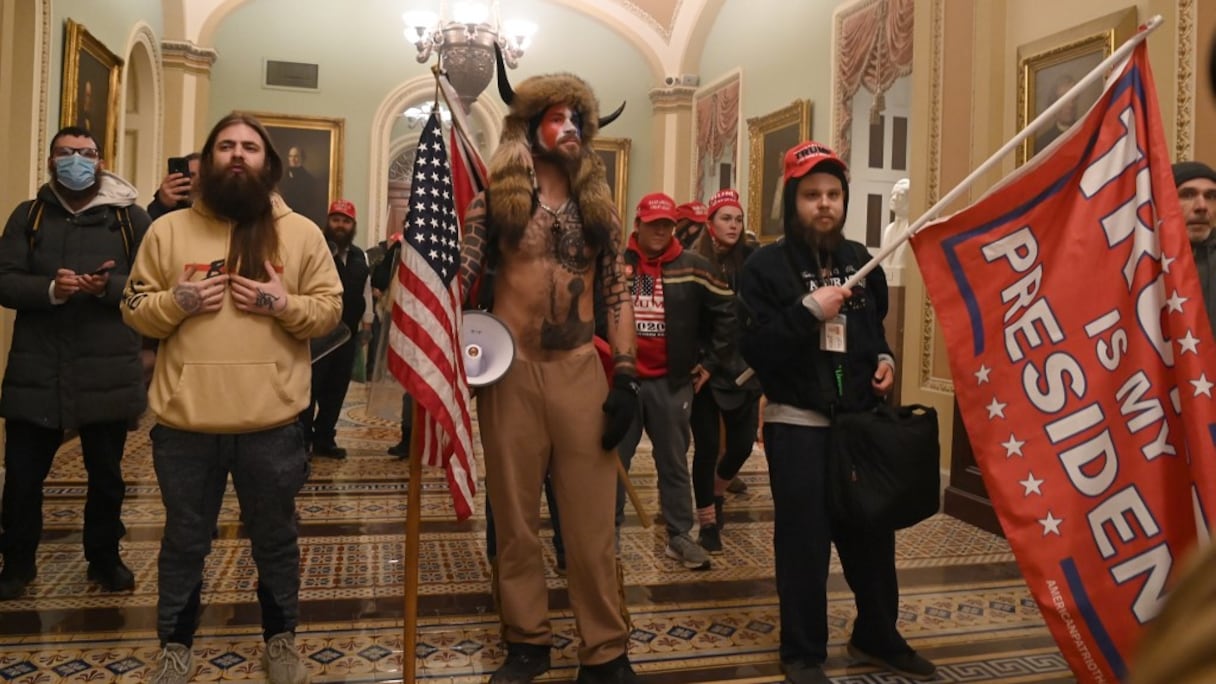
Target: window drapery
[{"x": 874, "y": 49}]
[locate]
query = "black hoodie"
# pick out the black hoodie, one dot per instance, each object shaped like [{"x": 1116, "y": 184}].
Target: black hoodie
[{"x": 780, "y": 338}]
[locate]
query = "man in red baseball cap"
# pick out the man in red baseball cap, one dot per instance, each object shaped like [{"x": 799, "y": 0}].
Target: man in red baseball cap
[
  {"x": 331, "y": 373},
  {"x": 685, "y": 322},
  {"x": 690, "y": 222},
  {"x": 818, "y": 348}
]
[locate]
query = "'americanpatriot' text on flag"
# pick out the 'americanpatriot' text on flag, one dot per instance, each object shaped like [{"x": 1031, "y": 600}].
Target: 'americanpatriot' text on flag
[
  {"x": 424, "y": 346},
  {"x": 1080, "y": 352}
]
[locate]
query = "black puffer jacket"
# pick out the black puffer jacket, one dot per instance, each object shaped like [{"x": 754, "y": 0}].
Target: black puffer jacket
[{"x": 75, "y": 363}]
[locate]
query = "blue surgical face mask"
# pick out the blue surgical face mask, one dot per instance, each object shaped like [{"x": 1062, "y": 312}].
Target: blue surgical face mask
[{"x": 76, "y": 172}]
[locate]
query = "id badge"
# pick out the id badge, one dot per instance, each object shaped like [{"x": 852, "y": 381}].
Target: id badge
[{"x": 832, "y": 334}]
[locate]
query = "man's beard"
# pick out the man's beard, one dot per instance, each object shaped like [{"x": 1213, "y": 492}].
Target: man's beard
[
  {"x": 341, "y": 238},
  {"x": 825, "y": 242},
  {"x": 239, "y": 197},
  {"x": 566, "y": 160},
  {"x": 76, "y": 197}
]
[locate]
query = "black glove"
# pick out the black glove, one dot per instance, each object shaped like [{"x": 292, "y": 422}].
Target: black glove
[{"x": 620, "y": 408}]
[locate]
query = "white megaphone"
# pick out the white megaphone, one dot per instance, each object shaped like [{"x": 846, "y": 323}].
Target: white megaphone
[{"x": 488, "y": 347}]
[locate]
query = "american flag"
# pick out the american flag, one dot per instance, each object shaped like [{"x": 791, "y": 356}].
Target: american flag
[
  {"x": 648, "y": 311},
  {"x": 424, "y": 341}
]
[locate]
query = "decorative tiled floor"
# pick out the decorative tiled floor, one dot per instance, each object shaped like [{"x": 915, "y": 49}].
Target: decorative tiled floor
[{"x": 963, "y": 602}]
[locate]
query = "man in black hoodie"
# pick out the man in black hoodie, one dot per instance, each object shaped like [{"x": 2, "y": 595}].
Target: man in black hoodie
[{"x": 817, "y": 348}]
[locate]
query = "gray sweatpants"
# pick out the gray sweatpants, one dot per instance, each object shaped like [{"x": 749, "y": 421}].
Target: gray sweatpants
[
  {"x": 268, "y": 469},
  {"x": 664, "y": 415}
]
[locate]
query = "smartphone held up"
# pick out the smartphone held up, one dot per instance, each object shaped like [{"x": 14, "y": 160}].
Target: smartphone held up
[{"x": 179, "y": 165}]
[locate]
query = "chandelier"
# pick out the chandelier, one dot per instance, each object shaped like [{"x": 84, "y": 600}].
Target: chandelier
[{"x": 465, "y": 42}]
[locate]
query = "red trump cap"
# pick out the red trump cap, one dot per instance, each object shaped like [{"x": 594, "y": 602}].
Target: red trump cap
[
  {"x": 344, "y": 207},
  {"x": 804, "y": 157},
  {"x": 656, "y": 206}
]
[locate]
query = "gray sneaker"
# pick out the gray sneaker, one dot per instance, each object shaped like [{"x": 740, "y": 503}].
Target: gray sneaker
[
  {"x": 173, "y": 666},
  {"x": 282, "y": 661},
  {"x": 690, "y": 554}
]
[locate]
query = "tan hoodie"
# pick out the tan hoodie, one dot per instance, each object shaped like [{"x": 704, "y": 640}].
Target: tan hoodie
[{"x": 230, "y": 371}]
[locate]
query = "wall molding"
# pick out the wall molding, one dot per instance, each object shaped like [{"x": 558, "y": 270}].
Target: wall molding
[
  {"x": 188, "y": 57},
  {"x": 1184, "y": 123},
  {"x": 673, "y": 98},
  {"x": 928, "y": 330}
]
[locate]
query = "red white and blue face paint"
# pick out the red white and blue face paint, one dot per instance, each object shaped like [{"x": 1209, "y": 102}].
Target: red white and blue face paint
[{"x": 559, "y": 125}]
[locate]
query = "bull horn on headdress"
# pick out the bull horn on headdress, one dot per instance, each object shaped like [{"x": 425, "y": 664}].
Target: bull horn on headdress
[
  {"x": 605, "y": 120},
  {"x": 505, "y": 91}
]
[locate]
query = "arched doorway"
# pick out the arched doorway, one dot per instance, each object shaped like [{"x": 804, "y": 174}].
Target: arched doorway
[
  {"x": 139, "y": 152},
  {"x": 398, "y": 191}
]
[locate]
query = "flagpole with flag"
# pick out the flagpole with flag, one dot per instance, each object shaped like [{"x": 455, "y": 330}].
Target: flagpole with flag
[
  {"x": 424, "y": 351},
  {"x": 1079, "y": 347}
]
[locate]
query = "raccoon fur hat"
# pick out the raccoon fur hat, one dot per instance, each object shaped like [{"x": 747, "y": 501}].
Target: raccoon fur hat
[{"x": 512, "y": 176}]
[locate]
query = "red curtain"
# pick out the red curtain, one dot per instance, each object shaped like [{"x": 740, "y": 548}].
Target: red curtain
[
  {"x": 717, "y": 129},
  {"x": 874, "y": 50}
]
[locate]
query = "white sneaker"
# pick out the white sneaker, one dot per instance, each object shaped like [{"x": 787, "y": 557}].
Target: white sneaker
[
  {"x": 689, "y": 553},
  {"x": 173, "y": 666},
  {"x": 282, "y": 661}
]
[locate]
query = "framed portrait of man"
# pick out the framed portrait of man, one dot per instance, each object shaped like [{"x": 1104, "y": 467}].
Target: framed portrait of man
[
  {"x": 311, "y": 148},
  {"x": 91, "y": 78},
  {"x": 770, "y": 136},
  {"x": 614, "y": 152},
  {"x": 1049, "y": 67}
]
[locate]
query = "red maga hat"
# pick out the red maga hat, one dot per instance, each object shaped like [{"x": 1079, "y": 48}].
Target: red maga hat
[
  {"x": 804, "y": 157},
  {"x": 344, "y": 207},
  {"x": 656, "y": 206},
  {"x": 693, "y": 211}
]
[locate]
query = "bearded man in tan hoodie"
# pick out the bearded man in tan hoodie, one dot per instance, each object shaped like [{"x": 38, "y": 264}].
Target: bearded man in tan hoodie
[{"x": 233, "y": 288}]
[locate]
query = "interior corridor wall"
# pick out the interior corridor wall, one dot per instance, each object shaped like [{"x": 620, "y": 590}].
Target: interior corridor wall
[
  {"x": 109, "y": 22},
  {"x": 784, "y": 50},
  {"x": 363, "y": 56}
]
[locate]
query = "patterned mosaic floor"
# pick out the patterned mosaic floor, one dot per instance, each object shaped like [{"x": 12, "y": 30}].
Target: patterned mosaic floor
[{"x": 963, "y": 603}]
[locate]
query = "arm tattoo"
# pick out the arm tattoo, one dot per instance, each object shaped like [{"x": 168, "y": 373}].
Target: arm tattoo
[
  {"x": 473, "y": 244},
  {"x": 187, "y": 298},
  {"x": 617, "y": 300},
  {"x": 265, "y": 300},
  {"x": 612, "y": 284}
]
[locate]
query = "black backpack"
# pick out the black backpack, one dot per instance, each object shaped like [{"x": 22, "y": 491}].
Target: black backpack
[{"x": 33, "y": 221}]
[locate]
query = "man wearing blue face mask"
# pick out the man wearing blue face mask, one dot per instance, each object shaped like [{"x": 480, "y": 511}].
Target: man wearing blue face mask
[{"x": 74, "y": 364}]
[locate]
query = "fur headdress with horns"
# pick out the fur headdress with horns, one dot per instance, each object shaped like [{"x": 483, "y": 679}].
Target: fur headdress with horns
[{"x": 512, "y": 176}]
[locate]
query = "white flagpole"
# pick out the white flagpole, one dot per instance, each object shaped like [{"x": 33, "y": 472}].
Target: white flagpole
[{"x": 1048, "y": 114}]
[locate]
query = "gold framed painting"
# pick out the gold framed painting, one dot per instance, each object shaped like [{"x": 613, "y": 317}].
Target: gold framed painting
[
  {"x": 770, "y": 136},
  {"x": 311, "y": 149},
  {"x": 91, "y": 82},
  {"x": 1048, "y": 67},
  {"x": 614, "y": 152}
]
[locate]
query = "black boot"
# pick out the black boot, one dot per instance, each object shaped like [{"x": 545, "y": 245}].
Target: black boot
[
  {"x": 524, "y": 663},
  {"x": 16, "y": 575},
  {"x": 112, "y": 574},
  {"x": 615, "y": 671}
]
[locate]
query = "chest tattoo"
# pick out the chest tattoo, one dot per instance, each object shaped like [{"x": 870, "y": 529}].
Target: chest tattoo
[{"x": 564, "y": 330}]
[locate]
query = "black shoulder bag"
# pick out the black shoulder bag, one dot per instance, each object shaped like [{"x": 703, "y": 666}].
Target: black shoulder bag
[{"x": 883, "y": 467}]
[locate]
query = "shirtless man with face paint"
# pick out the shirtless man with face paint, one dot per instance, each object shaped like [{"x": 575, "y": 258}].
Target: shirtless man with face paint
[{"x": 547, "y": 226}]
